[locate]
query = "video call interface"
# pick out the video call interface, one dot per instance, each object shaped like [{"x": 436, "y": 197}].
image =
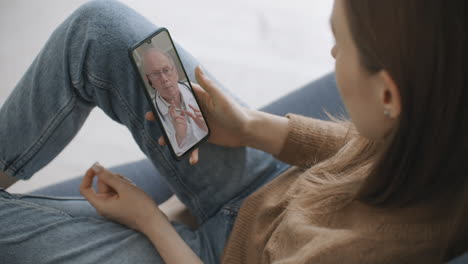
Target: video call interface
[{"x": 170, "y": 92}]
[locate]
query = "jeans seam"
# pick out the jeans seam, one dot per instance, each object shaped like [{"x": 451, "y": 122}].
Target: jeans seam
[
  {"x": 20, "y": 162},
  {"x": 36, "y": 206},
  {"x": 50, "y": 197},
  {"x": 104, "y": 84}
]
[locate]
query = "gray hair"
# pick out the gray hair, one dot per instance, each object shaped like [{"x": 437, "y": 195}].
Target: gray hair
[{"x": 155, "y": 50}]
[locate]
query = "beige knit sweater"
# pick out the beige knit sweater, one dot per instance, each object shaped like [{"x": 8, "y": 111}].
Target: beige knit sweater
[{"x": 267, "y": 231}]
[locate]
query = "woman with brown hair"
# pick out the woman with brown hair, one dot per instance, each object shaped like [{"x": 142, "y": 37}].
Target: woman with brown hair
[{"x": 388, "y": 186}]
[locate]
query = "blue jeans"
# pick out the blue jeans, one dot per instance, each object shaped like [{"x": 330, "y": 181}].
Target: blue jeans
[{"x": 85, "y": 64}]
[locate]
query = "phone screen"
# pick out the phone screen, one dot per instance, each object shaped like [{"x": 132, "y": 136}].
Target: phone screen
[{"x": 170, "y": 92}]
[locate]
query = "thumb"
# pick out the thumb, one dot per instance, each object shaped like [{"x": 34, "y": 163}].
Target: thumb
[
  {"x": 203, "y": 96},
  {"x": 150, "y": 116},
  {"x": 112, "y": 180},
  {"x": 105, "y": 177},
  {"x": 206, "y": 83}
]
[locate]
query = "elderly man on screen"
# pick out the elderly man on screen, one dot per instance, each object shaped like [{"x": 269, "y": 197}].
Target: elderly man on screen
[{"x": 176, "y": 106}]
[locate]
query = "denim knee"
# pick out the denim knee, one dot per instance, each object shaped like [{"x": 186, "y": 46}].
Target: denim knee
[
  {"x": 100, "y": 34},
  {"x": 111, "y": 22},
  {"x": 100, "y": 12}
]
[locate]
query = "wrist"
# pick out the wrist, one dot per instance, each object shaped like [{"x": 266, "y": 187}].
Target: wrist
[
  {"x": 264, "y": 131},
  {"x": 249, "y": 127},
  {"x": 151, "y": 220}
]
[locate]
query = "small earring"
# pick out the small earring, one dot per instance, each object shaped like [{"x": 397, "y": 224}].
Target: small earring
[{"x": 387, "y": 113}]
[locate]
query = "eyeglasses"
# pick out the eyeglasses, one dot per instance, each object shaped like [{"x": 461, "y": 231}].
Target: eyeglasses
[{"x": 156, "y": 75}]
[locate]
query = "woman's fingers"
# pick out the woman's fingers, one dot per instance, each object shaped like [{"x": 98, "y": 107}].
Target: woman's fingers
[
  {"x": 125, "y": 178},
  {"x": 206, "y": 83},
  {"x": 149, "y": 116},
  {"x": 112, "y": 180},
  {"x": 202, "y": 95},
  {"x": 106, "y": 180},
  {"x": 162, "y": 141},
  {"x": 101, "y": 187},
  {"x": 194, "y": 157},
  {"x": 86, "y": 187}
]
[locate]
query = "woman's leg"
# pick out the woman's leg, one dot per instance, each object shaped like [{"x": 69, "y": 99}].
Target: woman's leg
[
  {"x": 85, "y": 63},
  {"x": 32, "y": 233}
]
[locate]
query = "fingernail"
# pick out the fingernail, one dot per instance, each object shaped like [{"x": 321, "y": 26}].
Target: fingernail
[{"x": 97, "y": 167}]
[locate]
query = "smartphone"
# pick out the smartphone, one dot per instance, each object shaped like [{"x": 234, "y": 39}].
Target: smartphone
[{"x": 169, "y": 92}]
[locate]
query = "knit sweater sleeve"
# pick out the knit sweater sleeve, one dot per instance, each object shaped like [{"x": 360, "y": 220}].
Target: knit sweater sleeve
[{"x": 311, "y": 140}]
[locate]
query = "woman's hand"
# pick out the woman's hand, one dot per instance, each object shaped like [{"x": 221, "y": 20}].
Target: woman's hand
[
  {"x": 118, "y": 199},
  {"x": 226, "y": 119}
]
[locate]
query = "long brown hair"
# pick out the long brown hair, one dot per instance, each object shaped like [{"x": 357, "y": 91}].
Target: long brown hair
[{"x": 421, "y": 44}]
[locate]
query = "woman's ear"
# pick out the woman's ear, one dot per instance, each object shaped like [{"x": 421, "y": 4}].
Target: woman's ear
[{"x": 389, "y": 95}]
